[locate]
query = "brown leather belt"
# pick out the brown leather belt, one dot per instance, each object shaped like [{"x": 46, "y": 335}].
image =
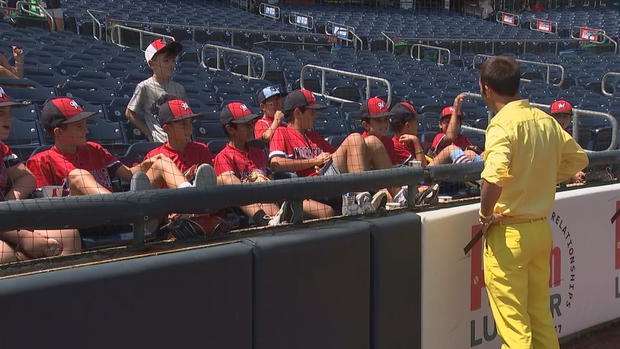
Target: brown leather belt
[{"x": 516, "y": 220}]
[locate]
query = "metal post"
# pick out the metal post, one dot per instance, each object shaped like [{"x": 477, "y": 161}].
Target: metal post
[
  {"x": 323, "y": 82},
  {"x": 249, "y": 65},
  {"x": 141, "y": 40},
  {"x": 367, "y": 88},
  {"x": 575, "y": 118},
  {"x": 548, "y": 74}
]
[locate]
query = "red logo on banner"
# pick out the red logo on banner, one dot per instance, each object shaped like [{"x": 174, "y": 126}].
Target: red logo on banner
[
  {"x": 544, "y": 26},
  {"x": 509, "y": 19}
]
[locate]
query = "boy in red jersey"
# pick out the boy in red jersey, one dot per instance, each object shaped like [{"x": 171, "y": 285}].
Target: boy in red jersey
[
  {"x": 298, "y": 149},
  {"x": 374, "y": 115},
  {"x": 449, "y": 145},
  {"x": 175, "y": 117},
  {"x": 270, "y": 99},
  {"x": 17, "y": 183},
  {"x": 407, "y": 145},
  {"x": 241, "y": 162},
  {"x": 562, "y": 111},
  {"x": 82, "y": 167}
]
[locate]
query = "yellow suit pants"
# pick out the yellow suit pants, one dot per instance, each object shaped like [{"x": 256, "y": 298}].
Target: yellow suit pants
[{"x": 516, "y": 274}]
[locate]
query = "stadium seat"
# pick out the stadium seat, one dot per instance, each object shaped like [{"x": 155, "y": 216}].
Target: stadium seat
[
  {"x": 205, "y": 130},
  {"x": 136, "y": 152}
]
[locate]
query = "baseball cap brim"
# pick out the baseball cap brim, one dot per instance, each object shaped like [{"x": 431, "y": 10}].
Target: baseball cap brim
[
  {"x": 187, "y": 116},
  {"x": 316, "y": 106},
  {"x": 78, "y": 117},
  {"x": 281, "y": 94},
  {"x": 386, "y": 114},
  {"x": 245, "y": 119},
  {"x": 13, "y": 104}
]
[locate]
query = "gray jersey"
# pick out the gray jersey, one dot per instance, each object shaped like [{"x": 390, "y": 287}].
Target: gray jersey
[{"x": 144, "y": 97}]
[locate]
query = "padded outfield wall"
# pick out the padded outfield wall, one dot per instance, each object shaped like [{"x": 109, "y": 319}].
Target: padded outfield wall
[{"x": 399, "y": 281}]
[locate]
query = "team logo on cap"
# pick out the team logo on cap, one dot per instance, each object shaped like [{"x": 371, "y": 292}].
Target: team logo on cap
[
  {"x": 2, "y": 93},
  {"x": 561, "y": 105},
  {"x": 243, "y": 107},
  {"x": 184, "y": 106},
  {"x": 74, "y": 104},
  {"x": 381, "y": 105}
]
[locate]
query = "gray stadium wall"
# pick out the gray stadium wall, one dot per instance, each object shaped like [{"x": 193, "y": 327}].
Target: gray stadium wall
[{"x": 348, "y": 284}]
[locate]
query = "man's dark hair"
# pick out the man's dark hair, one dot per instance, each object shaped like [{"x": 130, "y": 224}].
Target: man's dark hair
[
  {"x": 289, "y": 114},
  {"x": 502, "y": 75},
  {"x": 233, "y": 125}
]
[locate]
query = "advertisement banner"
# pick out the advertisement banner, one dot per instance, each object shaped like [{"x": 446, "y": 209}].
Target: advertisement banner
[
  {"x": 544, "y": 26},
  {"x": 588, "y": 34},
  {"x": 583, "y": 286},
  {"x": 302, "y": 21},
  {"x": 508, "y": 19}
]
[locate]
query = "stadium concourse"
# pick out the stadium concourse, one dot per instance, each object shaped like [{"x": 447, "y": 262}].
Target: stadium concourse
[{"x": 204, "y": 77}]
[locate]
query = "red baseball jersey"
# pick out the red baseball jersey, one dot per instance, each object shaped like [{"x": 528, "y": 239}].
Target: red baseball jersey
[
  {"x": 387, "y": 144},
  {"x": 402, "y": 151},
  {"x": 240, "y": 162},
  {"x": 262, "y": 125},
  {"x": 9, "y": 159},
  {"x": 188, "y": 160},
  {"x": 289, "y": 143},
  {"x": 52, "y": 167},
  {"x": 461, "y": 141}
]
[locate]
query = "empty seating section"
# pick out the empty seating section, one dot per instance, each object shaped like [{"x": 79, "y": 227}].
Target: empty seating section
[{"x": 103, "y": 76}]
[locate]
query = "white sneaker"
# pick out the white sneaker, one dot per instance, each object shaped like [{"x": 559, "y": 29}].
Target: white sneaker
[
  {"x": 378, "y": 200},
  {"x": 282, "y": 216},
  {"x": 401, "y": 196},
  {"x": 364, "y": 202},
  {"x": 349, "y": 205}
]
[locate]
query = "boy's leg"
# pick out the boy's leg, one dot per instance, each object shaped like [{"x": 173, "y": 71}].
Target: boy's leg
[
  {"x": 378, "y": 158},
  {"x": 448, "y": 155},
  {"x": 68, "y": 238},
  {"x": 33, "y": 244},
  {"x": 315, "y": 209},
  {"x": 350, "y": 156},
  {"x": 7, "y": 253},
  {"x": 163, "y": 171},
  {"x": 251, "y": 210},
  {"x": 82, "y": 182}
]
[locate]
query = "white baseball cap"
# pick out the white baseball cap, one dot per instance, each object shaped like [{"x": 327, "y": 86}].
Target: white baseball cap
[{"x": 159, "y": 45}]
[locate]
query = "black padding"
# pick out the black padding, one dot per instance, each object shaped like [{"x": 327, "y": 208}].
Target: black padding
[
  {"x": 311, "y": 288},
  {"x": 193, "y": 299},
  {"x": 396, "y": 271}
]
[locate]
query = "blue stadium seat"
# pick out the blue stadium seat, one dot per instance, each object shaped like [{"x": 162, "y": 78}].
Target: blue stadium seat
[
  {"x": 136, "y": 152},
  {"x": 205, "y": 130}
]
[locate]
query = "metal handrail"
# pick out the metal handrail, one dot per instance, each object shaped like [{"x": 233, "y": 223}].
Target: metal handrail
[
  {"x": 535, "y": 25},
  {"x": 576, "y": 114},
  {"x": 119, "y": 28},
  {"x": 388, "y": 41},
  {"x": 324, "y": 70},
  {"x": 439, "y": 50},
  {"x": 20, "y": 5},
  {"x": 96, "y": 23},
  {"x": 262, "y": 11},
  {"x": 292, "y": 19},
  {"x": 548, "y": 65},
  {"x": 220, "y": 49},
  {"x": 500, "y": 17},
  {"x": 604, "y": 80},
  {"x": 492, "y": 41}
]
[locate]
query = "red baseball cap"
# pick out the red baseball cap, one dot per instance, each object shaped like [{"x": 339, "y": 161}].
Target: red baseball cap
[
  {"x": 375, "y": 108},
  {"x": 61, "y": 111},
  {"x": 301, "y": 98},
  {"x": 561, "y": 107},
  {"x": 447, "y": 111},
  {"x": 159, "y": 45},
  {"x": 5, "y": 100},
  {"x": 237, "y": 113},
  {"x": 174, "y": 109}
]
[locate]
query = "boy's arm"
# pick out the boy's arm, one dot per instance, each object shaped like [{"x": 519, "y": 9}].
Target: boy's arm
[
  {"x": 281, "y": 164},
  {"x": 23, "y": 182},
  {"x": 454, "y": 129},
  {"x": 139, "y": 123},
  {"x": 228, "y": 178}
]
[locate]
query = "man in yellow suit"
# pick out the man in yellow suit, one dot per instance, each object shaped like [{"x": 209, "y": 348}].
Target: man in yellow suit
[{"x": 526, "y": 154}]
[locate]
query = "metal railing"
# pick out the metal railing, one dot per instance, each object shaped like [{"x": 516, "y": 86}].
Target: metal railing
[
  {"x": 439, "y": 50},
  {"x": 119, "y": 29},
  {"x": 593, "y": 35},
  {"x": 604, "y": 81},
  {"x": 97, "y": 27},
  {"x": 300, "y": 20},
  {"x": 544, "y": 25},
  {"x": 548, "y": 65},
  {"x": 22, "y": 7},
  {"x": 220, "y": 49},
  {"x": 576, "y": 114},
  {"x": 388, "y": 41},
  {"x": 367, "y": 78},
  {"x": 492, "y": 41},
  {"x": 269, "y": 11},
  {"x": 194, "y": 28},
  {"x": 508, "y": 18}
]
